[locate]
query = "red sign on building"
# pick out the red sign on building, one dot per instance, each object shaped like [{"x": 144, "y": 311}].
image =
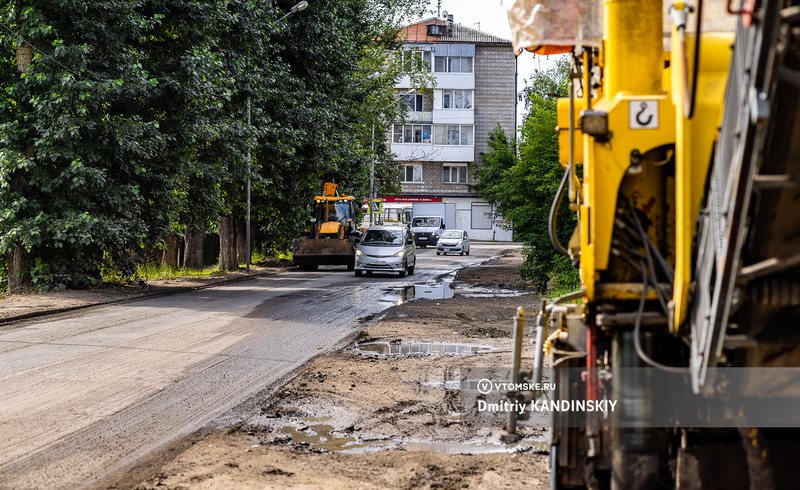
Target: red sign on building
[{"x": 411, "y": 199}]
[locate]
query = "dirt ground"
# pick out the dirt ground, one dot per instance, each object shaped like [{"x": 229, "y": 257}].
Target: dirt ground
[
  {"x": 365, "y": 417},
  {"x": 360, "y": 418}
]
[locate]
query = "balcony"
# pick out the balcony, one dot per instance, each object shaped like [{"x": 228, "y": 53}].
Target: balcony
[
  {"x": 427, "y": 152},
  {"x": 454, "y": 116},
  {"x": 419, "y": 116}
]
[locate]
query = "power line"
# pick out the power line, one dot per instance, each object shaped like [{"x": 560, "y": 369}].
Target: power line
[{"x": 46, "y": 55}]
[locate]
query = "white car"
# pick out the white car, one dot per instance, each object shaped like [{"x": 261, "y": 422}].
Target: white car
[
  {"x": 453, "y": 242},
  {"x": 386, "y": 249}
]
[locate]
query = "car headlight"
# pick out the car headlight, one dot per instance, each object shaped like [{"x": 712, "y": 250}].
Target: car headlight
[
  {"x": 359, "y": 252},
  {"x": 399, "y": 254}
]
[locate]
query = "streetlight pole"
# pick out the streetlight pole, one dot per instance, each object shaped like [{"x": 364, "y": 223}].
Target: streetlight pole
[
  {"x": 247, "y": 222},
  {"x": 297, "y": 8},
  {"x": 372, "y": 176}
]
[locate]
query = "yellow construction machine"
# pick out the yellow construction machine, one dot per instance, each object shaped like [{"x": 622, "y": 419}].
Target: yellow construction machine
[
  {"x": 333, "y": 235},
  {"x": 676, "y": 364}
]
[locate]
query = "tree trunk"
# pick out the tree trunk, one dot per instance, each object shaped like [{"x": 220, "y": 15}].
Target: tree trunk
[
  {"x": 228, "y": 258},
  {"x": 17, "y": 261},
  {"x": 171, "y": 256},
  {"x": 193, "y": 255}
]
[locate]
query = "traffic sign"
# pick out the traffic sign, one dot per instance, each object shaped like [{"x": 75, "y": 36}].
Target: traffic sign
[{"x": 377, "y": 206}]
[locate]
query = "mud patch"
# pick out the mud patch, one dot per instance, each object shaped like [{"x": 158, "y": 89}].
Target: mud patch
[
  {"x": 480, "y": 447},
  {"x": 486, "y": 332},
  {"x": 319, "y": 436}
]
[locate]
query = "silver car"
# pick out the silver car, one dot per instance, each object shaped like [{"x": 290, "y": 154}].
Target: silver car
[
  {"x": 453, "y": 242},
  {"x": 386, "y": 249}
]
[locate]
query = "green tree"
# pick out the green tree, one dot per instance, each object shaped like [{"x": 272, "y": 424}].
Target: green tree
[
  {"x": 82, "y": 167},
  {"x": 131, "y": 122},
  {"x": 522, "y": 182}
]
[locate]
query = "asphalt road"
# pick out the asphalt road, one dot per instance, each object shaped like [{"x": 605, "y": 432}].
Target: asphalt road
[{"x": 87, "y": 395}]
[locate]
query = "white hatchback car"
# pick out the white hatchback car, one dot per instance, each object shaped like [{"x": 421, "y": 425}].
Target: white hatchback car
[
  {"x": 386, "y": 249},
  {"x": 453, "y": 242}
]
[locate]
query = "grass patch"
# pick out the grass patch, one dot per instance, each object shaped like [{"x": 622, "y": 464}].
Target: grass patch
[{"x": 154, "y": 272}]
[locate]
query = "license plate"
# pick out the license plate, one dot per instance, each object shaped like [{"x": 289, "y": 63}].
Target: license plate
[
  {"x": 422, "y": 238},
  {"x": 377, "y": 263}
]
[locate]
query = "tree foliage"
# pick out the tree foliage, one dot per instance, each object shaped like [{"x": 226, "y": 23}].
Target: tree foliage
[
  {"x": 522, "y": 180},
  {"x": 138, "y": 118}
]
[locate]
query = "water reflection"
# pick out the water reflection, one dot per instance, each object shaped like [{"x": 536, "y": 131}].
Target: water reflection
[
  {"x": 407, "y": 349},
  {"x": 404, "y": 294}
]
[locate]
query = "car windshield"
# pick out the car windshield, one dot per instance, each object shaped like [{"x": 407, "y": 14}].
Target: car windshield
[
  {"x": 383, "y": 237},
  {"x": 432, "y": 222},
  {"x": 452, "y": 234}
]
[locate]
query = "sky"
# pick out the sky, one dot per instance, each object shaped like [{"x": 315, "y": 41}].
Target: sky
[{"x": 491, "y": 16}]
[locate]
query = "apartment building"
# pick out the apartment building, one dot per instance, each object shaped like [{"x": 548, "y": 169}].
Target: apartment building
[{"x": 440, "y": 141}]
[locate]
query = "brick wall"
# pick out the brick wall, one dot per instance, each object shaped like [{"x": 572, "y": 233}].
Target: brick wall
[
  {"x": 494, "y": 93},
  {"x": 432, "y": 182}
]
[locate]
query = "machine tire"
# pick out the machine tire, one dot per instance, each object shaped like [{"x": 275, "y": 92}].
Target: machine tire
[
  {"x": 358, "y": 273},
  {"x": 411, "y": 270},
  {"x": 403, "y": 270},
  {"x": 438, "y": 253}
]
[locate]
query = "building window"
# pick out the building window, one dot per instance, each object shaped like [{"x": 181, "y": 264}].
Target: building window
[
  {"x": 457, "y": 99},
  {"x": 454, "y": 174},
  {"x": 413, "y": 102},
  {"x": 414, "y": 61},
  {"x": 481, "y": 216},
  {"x": 453, "y": 135},
  {"x": 411, "y": 133},
  {"x": 412, "y": 173},
  {"x": 452, "y": 64}
]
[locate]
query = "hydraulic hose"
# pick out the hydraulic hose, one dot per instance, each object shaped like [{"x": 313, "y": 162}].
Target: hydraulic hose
[{"x": 552, "y": 220}]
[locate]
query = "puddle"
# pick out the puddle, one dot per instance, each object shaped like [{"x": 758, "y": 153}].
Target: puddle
[
  {"x": 408, "y": 349},
  {"x": 444, "y": 290},
  {"x": 314, "y": 433},
  {"x": 447, "y": 385},
  {"x": 476, "y": 447},
  {"x": 404, "y": 294},
  {"x": 319, "y": 436},
  {"x": 481, "y": 292}
]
